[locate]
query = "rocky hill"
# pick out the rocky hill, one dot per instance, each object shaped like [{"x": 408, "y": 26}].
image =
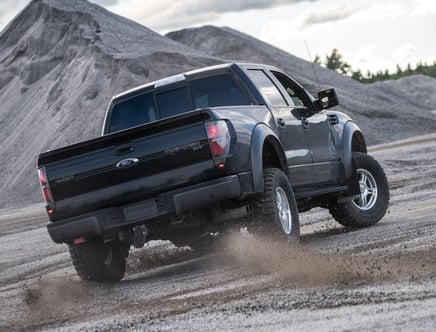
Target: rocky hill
[{"x": 61, "y": 61}]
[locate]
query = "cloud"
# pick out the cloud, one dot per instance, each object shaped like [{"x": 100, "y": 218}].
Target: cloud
[
  {"x": 405, "y": 54},
  {"x": 171, "y": 14},
  {"x": 364, "y": 54},
  {"x": 106, "y": 3},
  {"x": 284, "y": 29},
  {"x": 424, "y": 7},
  {"x": 328, "y": 14},
  {"x": 163, "y": 14},
  {"x": 280, "y": 30},
  {"x": 430, "y": 60},
  {"x": 369, "y": 58},
  {"x": 391, "y": 9}
]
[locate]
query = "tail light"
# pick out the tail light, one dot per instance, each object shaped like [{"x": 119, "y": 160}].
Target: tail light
[
  {"x": 219, "y": 138},
  {"x": 43, "y": 180}
]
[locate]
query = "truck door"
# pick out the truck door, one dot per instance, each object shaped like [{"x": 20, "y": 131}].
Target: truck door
[
  {"x": 293, "y": 139},
  {"x": 326, "y": 162},
  {"x": 316, "y": 128}
]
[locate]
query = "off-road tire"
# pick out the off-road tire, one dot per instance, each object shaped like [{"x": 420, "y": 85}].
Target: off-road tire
[
  {"x": 374, "y": 198},
  {"x": 98, "y": 261},
  {"x": 275, "y": 211}
]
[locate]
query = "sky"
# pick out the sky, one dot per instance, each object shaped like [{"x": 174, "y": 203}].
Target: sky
[{"x": 370, "y": 34}]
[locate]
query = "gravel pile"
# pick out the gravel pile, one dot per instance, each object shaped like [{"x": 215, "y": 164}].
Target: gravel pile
[{"x": 60, "y": 63}]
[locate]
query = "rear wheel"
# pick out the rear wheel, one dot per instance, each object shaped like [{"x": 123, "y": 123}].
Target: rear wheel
[
  {"x": 98, "y": 261},
  {"x": 372, "y": 203},
  {"x": 277, "y": 207}
]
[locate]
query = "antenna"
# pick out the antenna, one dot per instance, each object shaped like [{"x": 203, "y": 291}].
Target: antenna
[{"x": 313, "y": 66}]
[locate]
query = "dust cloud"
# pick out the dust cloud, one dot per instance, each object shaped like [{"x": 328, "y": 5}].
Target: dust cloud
[
  {"x": 52, "y": 299},
  {"x": 304, "y": 266},
  {"x": 52, "y": 293}
]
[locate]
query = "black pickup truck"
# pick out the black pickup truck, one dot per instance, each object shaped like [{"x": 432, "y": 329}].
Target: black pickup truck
[{"x": 181, "y": 156}]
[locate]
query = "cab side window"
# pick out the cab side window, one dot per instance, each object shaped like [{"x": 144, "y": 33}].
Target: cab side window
[
  {"x": 267, "y": 88},
  {"x": 294, "y": 92},
  {"x": 218, "y": 90}
]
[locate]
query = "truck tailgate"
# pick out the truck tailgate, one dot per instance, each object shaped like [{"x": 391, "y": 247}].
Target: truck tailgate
[{"x": 92, "y": 168}]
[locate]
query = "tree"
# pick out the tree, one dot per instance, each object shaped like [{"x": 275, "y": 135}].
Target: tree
[
  {"x": 419, "y": 68},
  {"x": 357, "y": 75},
  {"x": 335, "y": 62}
]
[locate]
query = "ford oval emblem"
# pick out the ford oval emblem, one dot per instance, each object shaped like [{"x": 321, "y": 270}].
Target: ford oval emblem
[{"x": 126, "y": 163}]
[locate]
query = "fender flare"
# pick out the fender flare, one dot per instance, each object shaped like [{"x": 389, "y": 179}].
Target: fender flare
[
  {"x": 260, "y": 134},
  {"x": 350, "y": 130}
]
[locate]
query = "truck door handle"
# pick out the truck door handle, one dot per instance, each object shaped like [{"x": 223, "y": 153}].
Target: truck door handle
[
  {"x": 124, "y": 149},
  {"x": 305, "y": 123}
]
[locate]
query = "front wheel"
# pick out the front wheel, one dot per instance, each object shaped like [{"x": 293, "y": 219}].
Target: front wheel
[
  {"x": 371, "y": 205},
  {"x": 98, "y": 261},
  {"x": 277, "y": 207}
]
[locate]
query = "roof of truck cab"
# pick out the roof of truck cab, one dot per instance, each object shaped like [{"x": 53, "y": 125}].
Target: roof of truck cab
[{"x": 186, "y": 75}]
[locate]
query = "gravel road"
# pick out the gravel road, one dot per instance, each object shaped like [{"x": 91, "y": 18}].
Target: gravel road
[{"x": 379, "y": 278}]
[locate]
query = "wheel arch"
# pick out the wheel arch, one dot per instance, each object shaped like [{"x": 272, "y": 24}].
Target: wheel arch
[
  {"x": 266, "y": 151},
  {"x": 352, "y": 141}
]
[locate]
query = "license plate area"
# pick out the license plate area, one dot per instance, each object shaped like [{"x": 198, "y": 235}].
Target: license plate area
[{"x": 140, "y": 211}]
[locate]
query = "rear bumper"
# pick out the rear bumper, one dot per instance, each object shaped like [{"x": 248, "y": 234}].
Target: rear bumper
[{"x": 161, "y": 207}]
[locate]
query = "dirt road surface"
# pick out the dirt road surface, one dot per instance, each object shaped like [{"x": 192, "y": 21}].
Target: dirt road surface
[{"x": 379, "y": 278}]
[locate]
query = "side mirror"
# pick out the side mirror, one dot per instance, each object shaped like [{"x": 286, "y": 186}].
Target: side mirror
[{"x": 327, "y": 98}]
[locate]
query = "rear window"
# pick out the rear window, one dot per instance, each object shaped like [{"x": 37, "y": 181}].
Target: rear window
[
  {"x": 132, "y": 112},
  {"x": 173, "y": 102},
  {"x": 218, "y": 90}
]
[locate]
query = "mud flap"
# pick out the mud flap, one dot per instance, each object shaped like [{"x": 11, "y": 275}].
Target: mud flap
[{"x": 353, "y": 183}]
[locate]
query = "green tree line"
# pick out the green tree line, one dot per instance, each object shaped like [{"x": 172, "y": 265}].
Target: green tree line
[{"x": 335, "y": 61}]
